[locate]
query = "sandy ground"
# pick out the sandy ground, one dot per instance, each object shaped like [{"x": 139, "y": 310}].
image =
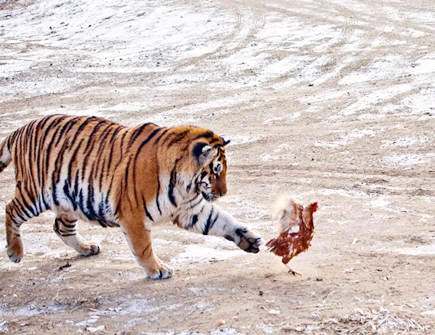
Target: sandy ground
[{"x": 330, "y": 101}]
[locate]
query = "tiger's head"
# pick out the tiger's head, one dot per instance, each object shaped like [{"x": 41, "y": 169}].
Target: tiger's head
[{"x": 210, "y": 179}]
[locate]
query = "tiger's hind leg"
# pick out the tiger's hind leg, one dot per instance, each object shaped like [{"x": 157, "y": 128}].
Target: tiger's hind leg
[
  {"x": 17, "y": 212},
  {"x": 65, "y": 228}
]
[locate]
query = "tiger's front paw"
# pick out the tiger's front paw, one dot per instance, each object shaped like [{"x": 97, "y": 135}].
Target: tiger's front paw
[
  {"x": 246, "y": 240},
  {"x": 162, "y": 271},
  {"x": 15, "y": 251}
]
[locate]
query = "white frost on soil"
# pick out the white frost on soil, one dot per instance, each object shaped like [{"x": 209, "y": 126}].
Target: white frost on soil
[
  {"x": 195, "y": 253},
  {"x": 225, "y": 331},
  {"x": 267, "y": 328},
  {"x": 32, "y": 310},
  {"x": 404, "y": 141},
  {"x": 238, "y": 139},
  {"x": 420, "y": 250},
  {"x": 379, "y": 202},
  {"x": 346, "y": 139},
  {"x": 408, "y": 159},
  {"x": 371, "y": 100}
]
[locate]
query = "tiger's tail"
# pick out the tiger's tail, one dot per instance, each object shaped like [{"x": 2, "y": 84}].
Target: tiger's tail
[{"x": 5, "y": 154}]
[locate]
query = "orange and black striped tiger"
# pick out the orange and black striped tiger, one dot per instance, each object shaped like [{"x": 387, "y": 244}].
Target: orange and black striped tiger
[{"x": 93, "y": 169}]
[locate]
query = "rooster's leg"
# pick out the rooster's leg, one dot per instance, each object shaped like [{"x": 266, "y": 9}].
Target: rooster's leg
[{"x": 292, "y": 272}]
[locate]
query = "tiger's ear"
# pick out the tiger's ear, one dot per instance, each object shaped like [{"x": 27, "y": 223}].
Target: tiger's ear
[
  {"x": 225, "y": 141},
  {"x": 204, "y": 153}
]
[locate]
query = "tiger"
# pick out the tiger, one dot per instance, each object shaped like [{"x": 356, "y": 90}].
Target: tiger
[{"x": 91, "y": 169}]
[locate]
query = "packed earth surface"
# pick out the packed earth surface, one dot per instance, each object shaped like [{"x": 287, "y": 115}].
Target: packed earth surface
[{"x": 330, "y": 101}]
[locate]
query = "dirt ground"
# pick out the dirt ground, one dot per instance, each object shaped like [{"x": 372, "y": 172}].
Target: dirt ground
[{"x": 330, "y": 101}]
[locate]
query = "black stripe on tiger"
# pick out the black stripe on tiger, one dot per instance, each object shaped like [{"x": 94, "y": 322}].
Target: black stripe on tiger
[
  {"x": 90, "y": 204},
  {"x": 67, "y": 192},
  {"x": 66, "y": 129},
  {"x": 158, "y": 190},
  {"x": 193, "y": 221},
  {"x": 209, "y": 222},
  {"x": 83, "y": 207},
  {"x": 178, "y": 137},
  {"x": 124, "y": 186},
  {"x": 91, "y": 137},
  {"x": 146, "y": 210},
  {"x": 25, "y": 205},
  {"x": 90, "y": 146},
  {"x": 49, "y": 148},
  {"x": 83, "y": 126},
  {"x": 69, "y": 225},
  {"x": 172, "y": 182},
  {"x": 144, "y": 142},
  {"x": 206, "y": 135},
  {"x": 213, "y": 140},
  {"x": 64, "y": 229},
  {"x": 102, "y": 147},
  {"x": 55, "y": 177},
  {"x": 101, "y": 143},
  {"x": 160, "y": 136},
  {"x": 17, "y": 208},
  {"x": 139, "y": 131},
  {"x": 141, "y": 146},
  {"x": 121, "y": 145},
  {"x": 102, "y": 208},
  {"x": 197, "y": 203}
]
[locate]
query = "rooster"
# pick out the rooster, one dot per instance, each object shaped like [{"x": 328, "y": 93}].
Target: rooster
[{"x": 297, "y": 229}]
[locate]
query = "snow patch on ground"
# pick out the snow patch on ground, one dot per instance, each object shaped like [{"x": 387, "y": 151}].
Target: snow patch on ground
[
  {"x": 347, "y": 139},
  {"x": 195, "y": 253},
  {"x": 422, "y": 250},
  {"x": 349, "y": 193},
  {"x": 225, "y": 331},
  {"x": 267, "y": 328},
  {"x": 380, "y": 202},
  {"x": 282, "y": 120},
  {"x": 371, "y": 100},
  {"x": 410, "y": 159},
  {"x": 404, "y": 141},
  {"x": 32, "y": 310},
  {"x": 243, "y": 139}
]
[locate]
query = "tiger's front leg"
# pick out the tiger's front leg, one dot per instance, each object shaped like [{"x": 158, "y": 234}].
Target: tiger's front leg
[
  {"x": 208, "y": 219},
  {"x": 139, "y": 241}
]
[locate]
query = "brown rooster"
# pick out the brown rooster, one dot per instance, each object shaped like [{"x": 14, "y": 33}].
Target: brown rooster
[{"x": 297, "y": 229}]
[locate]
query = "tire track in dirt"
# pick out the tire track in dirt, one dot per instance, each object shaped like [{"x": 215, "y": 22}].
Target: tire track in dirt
[
  {"x": 247, "y": 21},
  {"x": 365, "y": 31},
  {"x": 348, "y": 22}
]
